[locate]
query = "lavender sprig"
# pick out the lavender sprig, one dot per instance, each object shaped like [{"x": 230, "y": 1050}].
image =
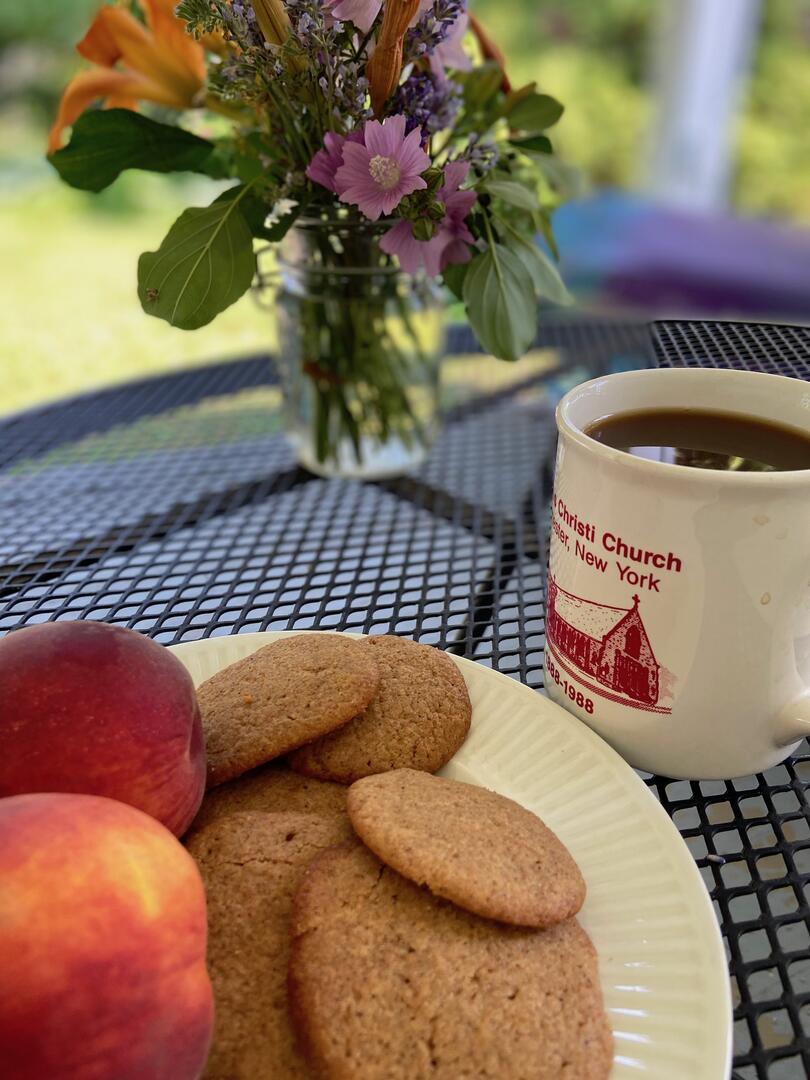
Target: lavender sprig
[
  {"x": 426, "y": 104},
  {"x": 481, "y": 153},
  {"x": 322, "y": 40},
  {"x": 432, "y": 29}
]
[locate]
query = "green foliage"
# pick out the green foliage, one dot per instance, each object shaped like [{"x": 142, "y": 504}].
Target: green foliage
[
  {"x": 44, "y": 21},
  {"x": 204, "y": 265},
  {"x": 453, "y": 277},
  {"x": 199, "y": 15},
  {"x": 565, "y": 181},
  {"x": 480, "y": 85},
  {"x": 534, "y": 113},
  {"x": 773, "y": 165},
  {"x": 540, "y": 144},
  {"x": 106, "y": 142},
  {"x": 509, "y": 191},
  {"x": 604, "y": 126},
  {"x": 544, "y": 274},
  {"x": 481, "y": 92},
  {"x": 255, "y": 211},
  {"x": 500, "y": 301}
]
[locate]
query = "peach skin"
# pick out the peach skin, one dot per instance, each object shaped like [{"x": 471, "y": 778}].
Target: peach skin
[
  {"x": 98, "y": 710},
  {"x": 102, "y": 944}
]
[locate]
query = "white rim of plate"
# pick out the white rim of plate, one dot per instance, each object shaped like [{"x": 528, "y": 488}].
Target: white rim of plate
[{"x": 661, "y": 957}]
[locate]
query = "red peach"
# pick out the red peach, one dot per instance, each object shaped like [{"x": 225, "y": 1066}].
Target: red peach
[
  {"x": 102, "y": 944},
  {"x": 92, "y": 708}
]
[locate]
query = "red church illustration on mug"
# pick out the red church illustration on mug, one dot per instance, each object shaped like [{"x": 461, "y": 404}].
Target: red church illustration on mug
[{"x": 610, "y": 644}]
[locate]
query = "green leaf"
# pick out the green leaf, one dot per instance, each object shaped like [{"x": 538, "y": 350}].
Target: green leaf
[
  {"x": 500, "y": 303},
  {"x": 280, "y": 229},
  {"x": 253, "y": 209},
  {"x": 535, "y": 113},
  {"x": 256, "y": 211},
  {"x": 453, "y": 277},
  {"x": 105, "y": 142},
  {"x": 540, "y": 144},
  {"x": 481, "y": 85},
  {"x": 202, "y": 267},
  {"x": 567, "y": 181},
  {"x": 514, "y": 96},
  {"x": 254, "y": 157},
  {"x": 544, "y": 219},
  {"x": 512, "y": 193},
  {"x": 544, "y": 274},
  {"x": 247, "y": 168}
]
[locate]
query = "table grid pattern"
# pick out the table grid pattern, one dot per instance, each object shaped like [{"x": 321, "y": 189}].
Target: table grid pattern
[{"x": 174, "y": 506}]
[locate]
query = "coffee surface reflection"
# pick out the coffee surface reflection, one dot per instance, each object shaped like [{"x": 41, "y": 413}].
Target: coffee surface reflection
[{"x": 701, "y": 439}]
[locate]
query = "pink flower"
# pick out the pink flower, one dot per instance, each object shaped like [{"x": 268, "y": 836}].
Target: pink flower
[
  {"x": 378, "y": 174},
  {"x": 363, "y": 12},
  {"x": 450, "y": 53},
  {"x": 457, "y": 206},
  {"x": 413, "y": 254},
  {"x": 360, "y": 12},
  {"x": 325, "y": 163},
  {"x": 449, "y": 244}
]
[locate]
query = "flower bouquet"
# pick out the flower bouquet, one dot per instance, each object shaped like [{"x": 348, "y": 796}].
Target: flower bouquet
[{"x": 379, "y": 143}]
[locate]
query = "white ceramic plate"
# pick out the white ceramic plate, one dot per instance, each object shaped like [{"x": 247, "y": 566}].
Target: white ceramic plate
[{"x": 661, "y": 957}]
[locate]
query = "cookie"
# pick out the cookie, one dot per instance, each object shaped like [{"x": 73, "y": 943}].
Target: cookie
[
  {"x": 286, "y": 694},
  {"x": 469, "y": 845},
  {"x": 251, "y": 864},
  {"x": 388, "y": 982},
  {"x": 418, "y": 719},
  {"x": 273, "y": 789}
]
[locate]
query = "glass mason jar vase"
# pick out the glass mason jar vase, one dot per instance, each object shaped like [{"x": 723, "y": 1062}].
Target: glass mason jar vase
[{"x": 360, "y": 345}]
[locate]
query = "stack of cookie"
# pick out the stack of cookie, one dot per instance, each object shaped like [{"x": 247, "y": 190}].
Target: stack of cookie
[
  {"x": 409, "y": 927},
  {"x": 346, "y": 707}
]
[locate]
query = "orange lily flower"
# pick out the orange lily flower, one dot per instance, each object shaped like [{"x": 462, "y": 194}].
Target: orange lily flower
[
  {"x": 157, "y": 62},
  {"x": 385, "y": 66}
]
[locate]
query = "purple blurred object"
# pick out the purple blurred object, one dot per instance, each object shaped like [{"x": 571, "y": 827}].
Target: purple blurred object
[{"x": 625, "y": 251}]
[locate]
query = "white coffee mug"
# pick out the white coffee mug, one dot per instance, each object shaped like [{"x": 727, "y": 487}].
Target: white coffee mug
[{"x": 678, "y": 608}]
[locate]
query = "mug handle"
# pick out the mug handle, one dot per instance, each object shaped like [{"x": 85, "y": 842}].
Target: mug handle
[{"x": 793, "y": 722}]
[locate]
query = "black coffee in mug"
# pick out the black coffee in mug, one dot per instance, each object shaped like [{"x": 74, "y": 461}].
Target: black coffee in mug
[{"x": 705, "y": 439}]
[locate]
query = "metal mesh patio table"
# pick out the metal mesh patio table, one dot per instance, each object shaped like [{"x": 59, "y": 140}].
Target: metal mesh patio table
[{"x": 174, "y": 506}]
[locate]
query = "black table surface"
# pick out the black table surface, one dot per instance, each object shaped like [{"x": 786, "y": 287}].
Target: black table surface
[{"x": 174, "y": 506}]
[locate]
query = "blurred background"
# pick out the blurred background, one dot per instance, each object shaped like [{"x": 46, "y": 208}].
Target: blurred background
[{"x": 685, "y": 119}]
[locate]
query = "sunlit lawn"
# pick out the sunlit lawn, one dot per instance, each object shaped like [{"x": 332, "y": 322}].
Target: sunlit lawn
[{"x": 69, "y": 313}]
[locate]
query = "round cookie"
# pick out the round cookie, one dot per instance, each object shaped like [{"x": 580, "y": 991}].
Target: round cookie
[
  {"x": 273, "y": 789},
  {"x": 472, "y": 846},
  {"x": 388, "y": 982},
  {"x": 418, "y": 719},
  {"x": 251, "y": 864},
  {"x": 286, "y": 694}
]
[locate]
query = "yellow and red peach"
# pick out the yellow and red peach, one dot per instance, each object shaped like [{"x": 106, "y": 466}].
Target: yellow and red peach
[
  {"x": 102, "y": 944},
  {"x": 96, "y": 709}
]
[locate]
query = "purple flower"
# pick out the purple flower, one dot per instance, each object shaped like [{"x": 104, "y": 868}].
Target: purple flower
[
  {"x": 427, "y": 103},
  {"x": 437, "y": 21},
  {"x": 482, "y": 154},
  {"x": 325, "y": 163},
  {"x": 450, "y": 243},
  {"x": 377, "y": 175}
]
